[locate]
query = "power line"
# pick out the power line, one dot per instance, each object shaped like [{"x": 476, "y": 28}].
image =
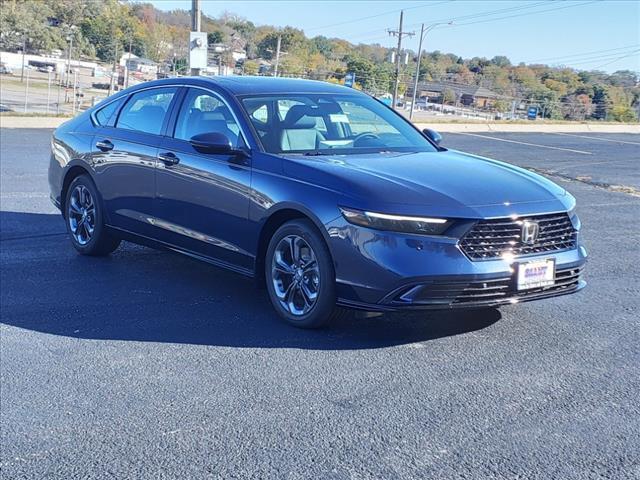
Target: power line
[
  {"x": 524, "y": 14},
  {"x": 474, "y": 15},
  {"x": 586, "y": 53},
  {"x": 346, "y": 22},
  {"x": 484, "y": 14},
  {"x": 493, "y": 12},
  {"x": 598, "y": 58},
  {"x": 615, "y": 60}
]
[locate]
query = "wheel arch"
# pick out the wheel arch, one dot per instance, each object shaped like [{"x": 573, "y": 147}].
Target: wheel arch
[
  {"x": 74, "y": 170},
  {"x": 274, "y": 219}
]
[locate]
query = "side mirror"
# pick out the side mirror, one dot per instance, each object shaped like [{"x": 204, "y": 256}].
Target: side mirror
[
  {"x": 433, "y": 135},
  {"x": 212, "y": 142}
]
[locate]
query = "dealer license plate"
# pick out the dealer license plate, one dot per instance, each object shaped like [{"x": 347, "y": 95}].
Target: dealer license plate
[{"x": 536, "y": 274}]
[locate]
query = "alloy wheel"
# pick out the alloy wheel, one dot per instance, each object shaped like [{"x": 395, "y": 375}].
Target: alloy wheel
[
  {"x": 295, "y": 275},
  {"x": 81, "y": 214}
]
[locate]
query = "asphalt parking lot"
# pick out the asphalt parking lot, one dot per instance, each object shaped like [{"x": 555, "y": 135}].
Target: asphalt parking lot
[{"x": 149, "y": 365}]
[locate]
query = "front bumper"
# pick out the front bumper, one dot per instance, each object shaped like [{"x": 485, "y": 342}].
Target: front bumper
[{"x": 387, "y": 271}]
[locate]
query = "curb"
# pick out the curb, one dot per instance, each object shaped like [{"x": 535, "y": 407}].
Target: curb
[{"x": 540, "y": 128}]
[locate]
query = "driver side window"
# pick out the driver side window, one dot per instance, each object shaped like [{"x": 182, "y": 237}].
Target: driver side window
[{"x": 202, "y": 112}]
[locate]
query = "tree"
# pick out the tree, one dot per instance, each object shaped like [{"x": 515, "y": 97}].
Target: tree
[
  {"x": 322, "y": 45},
  {"x": 501, "y": 61},
  {"x": 502, "y": 105},
  {"x": 601, "y": 101},
  {"x": 215, "y": 37},
  {"x": 106, "y": 28},
  {"x": 449, "y": 96},
  {"x": 363, "y": 68},
  {"x": 251, "y": 67},
  {"x": 290, "y": 39},
  {"x": 27, "y": 22},
  {"x": 620, "y": 113}
]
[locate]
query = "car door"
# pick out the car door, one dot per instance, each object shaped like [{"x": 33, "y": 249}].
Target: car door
[
  {"x": 126, "y": 157},
  {"x": 202, "y": 199}
]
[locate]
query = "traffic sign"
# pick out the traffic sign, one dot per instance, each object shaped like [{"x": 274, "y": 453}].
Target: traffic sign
[
  {"x": 532, "y": 113},
  {"x": 349, "y": 79}
]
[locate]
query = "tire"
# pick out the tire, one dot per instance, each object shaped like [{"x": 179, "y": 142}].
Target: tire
[
  {"x": 303, "y": 295},
  {"x": 84, "y": 217}
]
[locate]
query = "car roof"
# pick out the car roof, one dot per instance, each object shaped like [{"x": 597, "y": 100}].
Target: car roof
[{"x": 240, "y": 85}]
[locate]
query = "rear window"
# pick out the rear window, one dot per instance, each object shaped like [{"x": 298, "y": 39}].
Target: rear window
[
  {"x": 103, "y": 115},
  {"x": 145, "y": 111}
]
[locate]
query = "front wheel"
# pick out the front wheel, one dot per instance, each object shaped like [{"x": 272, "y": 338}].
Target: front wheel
[
  {"x": 300, "y": 276},
  {"x": 85, "y": 219}
]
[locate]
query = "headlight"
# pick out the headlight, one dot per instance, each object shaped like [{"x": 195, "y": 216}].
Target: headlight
[{"x": 396, "y": 223}]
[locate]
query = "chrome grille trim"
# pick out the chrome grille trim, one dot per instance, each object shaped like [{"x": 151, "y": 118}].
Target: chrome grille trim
[{"x": 491, "y": 239}]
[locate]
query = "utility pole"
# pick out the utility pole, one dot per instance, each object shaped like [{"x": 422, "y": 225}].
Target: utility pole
[
  {"x": 195, "y": 26},
  {"x": 195, "y": 16},
  {"x": 275, "y": 70},
  {"x": 398, "y": 33}
]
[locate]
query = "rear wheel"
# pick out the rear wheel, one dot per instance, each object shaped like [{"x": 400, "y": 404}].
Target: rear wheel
[
  {"x": 85, "y": 219},
  {"x": 300, "y": 276}
]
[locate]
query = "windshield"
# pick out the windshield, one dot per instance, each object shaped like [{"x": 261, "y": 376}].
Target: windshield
[{"x": 327, "y": 124}]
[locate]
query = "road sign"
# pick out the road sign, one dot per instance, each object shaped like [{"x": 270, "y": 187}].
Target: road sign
[
  {"x": 532, "y": 113},
  {"x": 349, "y": 79}
]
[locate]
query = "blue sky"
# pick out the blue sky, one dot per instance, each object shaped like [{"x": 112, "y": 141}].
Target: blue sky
[{"x": 603, "y": 34}]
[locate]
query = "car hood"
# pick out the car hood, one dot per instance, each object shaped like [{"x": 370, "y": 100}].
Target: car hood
[{"x": 446, "y": 178}]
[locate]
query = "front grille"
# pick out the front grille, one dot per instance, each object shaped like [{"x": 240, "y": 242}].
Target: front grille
[
  {"x": 490, "y": 239},
  {"x": 501, "y": 290}
]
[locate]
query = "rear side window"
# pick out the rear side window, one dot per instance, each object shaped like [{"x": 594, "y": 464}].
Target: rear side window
[
  {"x": 145, "y": 111},
  {"x": 103, "y": 115}
]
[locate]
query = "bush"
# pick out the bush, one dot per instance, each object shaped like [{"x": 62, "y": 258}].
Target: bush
[{"x": 621, "y": 113}]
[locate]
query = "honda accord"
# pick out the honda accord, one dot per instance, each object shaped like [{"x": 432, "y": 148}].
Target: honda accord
[{"x": 324, "y": 194}]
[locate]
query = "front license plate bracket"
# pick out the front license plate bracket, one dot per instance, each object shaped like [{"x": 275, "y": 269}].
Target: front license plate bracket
[{"x": 535, "y": 274}]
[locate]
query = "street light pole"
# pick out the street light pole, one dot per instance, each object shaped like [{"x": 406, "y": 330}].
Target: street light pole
[
  {"x": 415, "y": 83},
  {"x": 26, "y": 93},
  {"x": 48, "y": 90},
  {"x": 24, "y": 47},
  {"x": 423, "y": 33},
  {"x": 70, "y": 38},
  {"x": 275, "y": 70}
]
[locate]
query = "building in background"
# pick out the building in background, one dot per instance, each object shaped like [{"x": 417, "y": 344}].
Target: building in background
[{"x": 465, "y": 95}]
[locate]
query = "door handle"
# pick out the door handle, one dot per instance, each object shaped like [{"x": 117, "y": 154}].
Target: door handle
[
  {"x": 104, "y": 145},
  {"x": 168, "y": 158}
]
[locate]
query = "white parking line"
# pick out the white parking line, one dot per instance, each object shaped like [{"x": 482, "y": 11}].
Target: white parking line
[
  {"x": 525, "y": 143},
  {"x": 595, "y": 138}
]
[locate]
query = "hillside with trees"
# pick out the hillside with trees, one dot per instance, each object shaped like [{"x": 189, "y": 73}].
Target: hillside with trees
[{"x": 104, "y": 30}]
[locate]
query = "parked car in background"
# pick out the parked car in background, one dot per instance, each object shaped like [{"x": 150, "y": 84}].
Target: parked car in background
[
  {"x": 322, "y": 193},
  {"x": 4, "y": 68}
]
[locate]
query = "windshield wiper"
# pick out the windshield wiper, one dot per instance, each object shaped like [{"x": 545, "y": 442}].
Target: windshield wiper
[{"x": 315, "y": 153}]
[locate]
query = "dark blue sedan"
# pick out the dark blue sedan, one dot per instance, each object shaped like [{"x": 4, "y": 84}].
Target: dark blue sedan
[{"x": 322, "y": 193}]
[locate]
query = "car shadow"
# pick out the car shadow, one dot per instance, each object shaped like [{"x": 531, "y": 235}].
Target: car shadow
[{"x": 140, "y": 294}]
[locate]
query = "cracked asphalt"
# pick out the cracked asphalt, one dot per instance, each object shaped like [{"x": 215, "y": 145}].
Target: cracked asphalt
[{"x": 148, "y": 364}]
